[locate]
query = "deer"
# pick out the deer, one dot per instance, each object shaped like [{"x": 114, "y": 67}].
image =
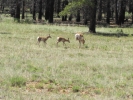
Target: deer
[
  {"x": 61, "y": 39},
  {"x": 80, "y": 38},
  {"x": 44, "y": 39}
]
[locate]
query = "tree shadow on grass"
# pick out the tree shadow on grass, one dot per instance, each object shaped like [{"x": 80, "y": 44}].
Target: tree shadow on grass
[
  {"x": 110, "y": 34},
  {"x": 119, "y": 34},
  {"x": 5, "y": 33}
]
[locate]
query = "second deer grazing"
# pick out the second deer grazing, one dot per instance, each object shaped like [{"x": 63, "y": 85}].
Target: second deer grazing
[
  {"x": 61, "y": 39},
  {"x": 44, "y": 39},
  {"x": 80, "y": 38}
]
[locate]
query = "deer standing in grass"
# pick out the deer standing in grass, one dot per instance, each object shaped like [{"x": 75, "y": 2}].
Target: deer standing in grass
[
  {"x": 61, "y": 39},
  {"x": 80, "y": 38},
  {"x": 44, "y": 39}
]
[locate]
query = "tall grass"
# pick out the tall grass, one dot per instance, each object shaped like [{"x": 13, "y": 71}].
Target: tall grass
[{"x": 101, "y": 69}]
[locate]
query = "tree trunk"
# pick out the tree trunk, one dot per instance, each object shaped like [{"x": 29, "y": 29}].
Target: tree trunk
[
  {"x": 58, "y": 8},
  {"x": 2, "y": 6},
  {"x": 116, "y": 12},
  {"x": 132, "y": 17},
  {"x": 100, "y": 11},
  {"x": 85, "y": 21},
  {"x": 23, "y": 9},
  {"x": 131, "y": 8},
  {"x": 65, "y": 2},
  {"x": 40, "y": 10},
  {"x": 64, "y": 18},
  {"x": 70, "y": 17},
  {"x": 108, "y": 12},
  {"x": 47, "y": 9},
  {"x": 13, "y": 9},
  {"x": 121, "y": 11},
  {"x": 34, "y": 10},
  {"x": 51, "y": 11},
  {"x": 93, "y": 8},
  {"x": 17, "y": 11},
  {"x": 78, "y": 16}
]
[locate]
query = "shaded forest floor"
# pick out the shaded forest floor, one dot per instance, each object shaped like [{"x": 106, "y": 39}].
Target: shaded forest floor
[{"x": 58, "y": 21}]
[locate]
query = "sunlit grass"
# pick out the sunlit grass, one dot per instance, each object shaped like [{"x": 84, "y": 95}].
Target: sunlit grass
[{"x": 102, "y": 68}]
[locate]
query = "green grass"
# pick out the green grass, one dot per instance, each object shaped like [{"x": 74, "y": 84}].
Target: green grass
[
  {"x": 101, "y": 69},
  {"x": 17, "y": 81}
]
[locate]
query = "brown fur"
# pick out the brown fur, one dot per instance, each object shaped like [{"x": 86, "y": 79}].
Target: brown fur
[
  {"x": 44, "y": 39},
  {"x": 61, "y": 39}
]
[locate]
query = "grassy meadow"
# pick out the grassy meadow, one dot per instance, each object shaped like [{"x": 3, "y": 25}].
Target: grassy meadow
[{"x": 102, "y": 69}]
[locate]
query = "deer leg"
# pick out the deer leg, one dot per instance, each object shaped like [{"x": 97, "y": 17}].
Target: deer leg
[
  {"x": 57, "y": 43},
  {"x": 79, "y": 43},
  {"x": 38, "y": 42},
  {"x": 64, "y": 43},
  {"x": 45, "y": 43}
]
